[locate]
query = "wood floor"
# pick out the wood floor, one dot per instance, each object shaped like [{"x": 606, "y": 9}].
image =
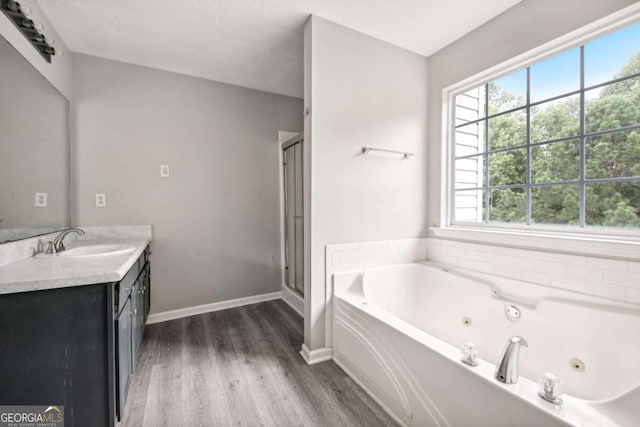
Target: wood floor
[{"x": 241, "y": 367}]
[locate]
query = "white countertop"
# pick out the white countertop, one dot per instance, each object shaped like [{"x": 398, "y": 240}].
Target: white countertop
[{"x": 33, "y": 274}]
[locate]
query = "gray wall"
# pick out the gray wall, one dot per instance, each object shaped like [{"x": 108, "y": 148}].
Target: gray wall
[
  {"x": 527, "y": 25},
  {"x": 216, "y": 218},
  {"x": 363, "y": 92}
]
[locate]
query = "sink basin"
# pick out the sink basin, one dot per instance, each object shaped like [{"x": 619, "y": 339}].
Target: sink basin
[{"x": 90, "y": 251}]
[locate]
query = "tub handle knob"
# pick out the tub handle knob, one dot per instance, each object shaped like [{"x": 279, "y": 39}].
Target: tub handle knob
[
  {"x": 549, "y": 388},
  {"x": 469, "y": 354}
]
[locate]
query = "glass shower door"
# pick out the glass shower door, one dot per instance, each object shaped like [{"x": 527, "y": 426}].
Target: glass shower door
[{"x": 294, "y": 215}]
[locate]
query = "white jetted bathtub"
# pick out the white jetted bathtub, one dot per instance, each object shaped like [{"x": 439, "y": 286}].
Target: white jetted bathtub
[{"x": 398, "y": 331}]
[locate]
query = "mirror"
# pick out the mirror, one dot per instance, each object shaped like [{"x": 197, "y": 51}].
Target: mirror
[{"x": 34, "y": 151}]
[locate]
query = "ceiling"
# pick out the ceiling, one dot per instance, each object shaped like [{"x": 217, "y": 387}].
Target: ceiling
[{"x": 252, "y": 43}]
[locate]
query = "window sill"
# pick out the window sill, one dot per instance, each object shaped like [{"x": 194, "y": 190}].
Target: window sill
[{"x": 550, "y": 242}]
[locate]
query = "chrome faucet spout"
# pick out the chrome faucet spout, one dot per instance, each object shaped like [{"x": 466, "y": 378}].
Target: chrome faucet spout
[
  {"x": 58, "y": 245},
  {"x": 507, "y": 368}
]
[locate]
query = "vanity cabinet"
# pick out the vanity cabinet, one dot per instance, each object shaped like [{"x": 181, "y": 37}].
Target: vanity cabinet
[{"x": 75, "y": 346}]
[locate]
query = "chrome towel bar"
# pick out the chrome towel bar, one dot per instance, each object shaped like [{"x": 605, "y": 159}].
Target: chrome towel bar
[{"x": 404, "y": 154}]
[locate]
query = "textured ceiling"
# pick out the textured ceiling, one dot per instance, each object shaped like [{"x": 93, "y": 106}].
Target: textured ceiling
[{"x": 252, "y": 43}]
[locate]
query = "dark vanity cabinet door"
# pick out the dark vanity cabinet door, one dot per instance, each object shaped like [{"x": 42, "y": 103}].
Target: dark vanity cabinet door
[
  {"x": 146, "y": 291},
  {"x": 136, "y": 320},
  {"x": 138, "y": 317},
  {"x": 133, "y": 308},
  {"x": 139, "y": 310},
  {"x": 124, "y": 359}
]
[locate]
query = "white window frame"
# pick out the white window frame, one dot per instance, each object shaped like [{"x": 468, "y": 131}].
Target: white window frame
[{"x": 600, "y": 241}]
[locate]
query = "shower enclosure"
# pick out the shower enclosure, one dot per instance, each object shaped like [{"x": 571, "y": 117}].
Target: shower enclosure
[{"x": 293, "y": 213}]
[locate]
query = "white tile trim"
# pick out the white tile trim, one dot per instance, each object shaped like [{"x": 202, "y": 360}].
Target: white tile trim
[
  {"x": 316, "y": 356},
  {"x": 563, "y": 243},
  {"x": 208, "y": 308},
  {"x": 294, "y": 300}
]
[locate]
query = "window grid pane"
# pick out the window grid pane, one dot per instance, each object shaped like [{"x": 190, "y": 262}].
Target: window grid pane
[
  {"x": 508, "y": 130},
  {"x": 555, "y": 204},
  {"x": 610, "y": 155}
]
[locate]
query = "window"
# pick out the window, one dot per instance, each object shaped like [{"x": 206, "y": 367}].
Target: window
[{"x": 554, "y": 143}]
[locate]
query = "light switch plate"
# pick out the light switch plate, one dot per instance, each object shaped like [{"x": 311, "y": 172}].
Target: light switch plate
[
  {"x": 41, "y": 200},
  {"x": 101, "y": 200},
  {"x": 164, "y": 171}
]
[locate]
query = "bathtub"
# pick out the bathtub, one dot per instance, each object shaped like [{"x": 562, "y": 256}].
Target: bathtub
[{"x": 397, "y": 331}]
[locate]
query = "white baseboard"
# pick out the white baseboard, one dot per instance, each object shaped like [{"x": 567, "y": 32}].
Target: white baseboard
[
  {"x": 316, "y": 356},
  {"x": 294, "y": 299},
  {"x": 207, "y": 308}
]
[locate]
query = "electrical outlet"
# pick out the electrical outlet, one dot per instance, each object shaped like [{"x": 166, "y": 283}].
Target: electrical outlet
[
  {"x": 41, "y": 200},
  {"x": 164, "y": 171},
  {"x": 101, "y": 200}
]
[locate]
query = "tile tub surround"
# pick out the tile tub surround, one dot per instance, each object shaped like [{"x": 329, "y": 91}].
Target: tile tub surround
[
  {"x": 353, "y": 256},
  {"x": 615, "y": 279},
  {"x": 30, "y": 274}
]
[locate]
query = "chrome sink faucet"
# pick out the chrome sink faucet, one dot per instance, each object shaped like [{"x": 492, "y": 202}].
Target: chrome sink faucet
[
  {"x": 507, "y": 368},
  {"x": 57, "y": 245}
]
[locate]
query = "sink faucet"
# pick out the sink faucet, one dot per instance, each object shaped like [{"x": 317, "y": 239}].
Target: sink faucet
[
  {"x": 57, "y": 245},
  {"x": 507, "y": 368}
]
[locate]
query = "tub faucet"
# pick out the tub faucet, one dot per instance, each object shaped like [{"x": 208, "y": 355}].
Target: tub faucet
[
  {"x": 57, "y": 245},
  {"x": 507, "y": 368}
]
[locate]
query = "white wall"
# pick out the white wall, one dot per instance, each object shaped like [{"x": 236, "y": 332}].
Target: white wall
[
  {"x": 527, "y": 25},
  {"x": 58, "y": 72},
  {"x": 361, "y": 92},
  {"x": 216, "y": 218}
]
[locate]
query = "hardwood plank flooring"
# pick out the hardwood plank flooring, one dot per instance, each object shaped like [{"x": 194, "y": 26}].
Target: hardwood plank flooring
[{"x": 241, "y": 367}]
